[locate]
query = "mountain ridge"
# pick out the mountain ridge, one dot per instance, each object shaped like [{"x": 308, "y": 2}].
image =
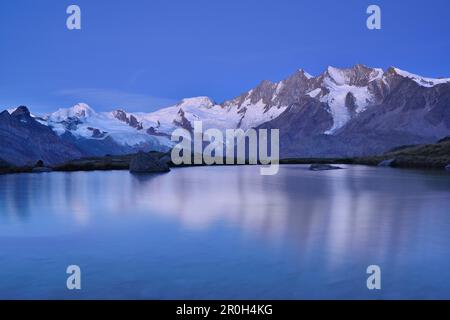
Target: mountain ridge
[{"x": 352, "y": 111}]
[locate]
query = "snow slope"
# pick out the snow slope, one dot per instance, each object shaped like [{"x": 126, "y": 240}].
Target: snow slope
[{"x": 423, "y": 81}]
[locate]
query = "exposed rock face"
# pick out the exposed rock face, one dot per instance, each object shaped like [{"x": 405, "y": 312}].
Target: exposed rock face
[
  {"x": 71, "y": 123},
  {"x": 153, "y": 132},
  {"x": 130, "y": 120},
  {"x": 306, "y": 117},
  {"x": 96, "y": 133},
  {"x": 322, "y": 167},
  {"x": 350, "y": 104},
  {"x": 145, "y": 163},
  {"x": 397, "y": 110},
  {"x": 23, "y": 140},
  {"x": 134, "y": 123},
  {"x": 275, "y": 95},
  {"x": 182, "y": 121}
]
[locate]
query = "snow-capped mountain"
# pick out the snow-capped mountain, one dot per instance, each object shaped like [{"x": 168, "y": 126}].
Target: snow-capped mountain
[
  {"x": 363, "y": 111},
  {"x": 83, "y": 122},
  {"x": 23, "y": 140},
  {"x": 341, "y": 112}
]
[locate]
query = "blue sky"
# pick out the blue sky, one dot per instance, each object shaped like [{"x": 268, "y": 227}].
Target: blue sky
[{"x": 141, "y": 55}]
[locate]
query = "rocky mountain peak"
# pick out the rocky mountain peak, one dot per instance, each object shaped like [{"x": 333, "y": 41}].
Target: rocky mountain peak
[
  {"x": 21, "y": 111},
  {"x": 358, "y": 75},
  {"x": 4, "y": 115},
  {"x": 79, "y": 111}
]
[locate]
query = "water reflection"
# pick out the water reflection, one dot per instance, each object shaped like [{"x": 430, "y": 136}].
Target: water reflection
[{"x": 308, "y": 226}]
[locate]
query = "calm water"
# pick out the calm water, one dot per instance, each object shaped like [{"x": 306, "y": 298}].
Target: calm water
[{"x": 226, "y": 232}]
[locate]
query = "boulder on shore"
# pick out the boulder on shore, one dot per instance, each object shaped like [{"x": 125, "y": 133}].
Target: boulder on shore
[
  {"x": 387, "y": 163},
  {"x": 41, "y": 169},
  {"x": 39, "y": 163},
  {"x": 146, "y": 163},
  {"x": 166, "y": 159},
  {"x": 321, "y": 167}
]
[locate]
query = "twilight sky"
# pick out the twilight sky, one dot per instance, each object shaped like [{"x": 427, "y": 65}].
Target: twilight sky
[{"x": 144, "y": 54}]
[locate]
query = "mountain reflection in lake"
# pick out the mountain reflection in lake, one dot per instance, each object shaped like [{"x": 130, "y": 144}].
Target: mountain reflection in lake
[{"x": 226, "y": 232}]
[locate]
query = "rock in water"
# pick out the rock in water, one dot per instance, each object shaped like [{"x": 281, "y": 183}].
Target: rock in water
[
  {"x": 387, "y": 163},
  {"x": 41, "y": 169},
  {"x": 145, "y": 163},
  {"x": 321, "y": 167}
]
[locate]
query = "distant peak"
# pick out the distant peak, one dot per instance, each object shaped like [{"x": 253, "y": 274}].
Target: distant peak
[
  {"x": 358, "y": 75},
  {"x": 80, "y": 110},
  {"x": 83, "y": 109},
  {"x": 4, "y": 114},
  {"x": 306, "y": 74},
  {"x": 201, "y": 101},
  {"x": 362, "y": 67},
  {"x": 21, "y": 111}
]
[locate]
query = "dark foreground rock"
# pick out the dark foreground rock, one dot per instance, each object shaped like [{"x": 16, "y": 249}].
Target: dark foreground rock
[
  {"x": 146, "y": 163},
  {"x": 166, "y": 159},
  {"x": 40, "y": 167},
  {"x": 321, "y": 167}
]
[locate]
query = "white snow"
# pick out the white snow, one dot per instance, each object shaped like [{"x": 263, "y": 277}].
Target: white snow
[
  {"x": 337, "y": 83},
  {"x": 212, "y": 115},
  {"x": 80, "y": 110},
  {"x": 120, "y": 131},
  {"x": 198, "y": 108},
  {"x": 314, "y": 93},
  {"x": 197, "y": 102},
  {"x": 337, "y": 75},
  {"x": 245, "y": 115},
  {"x": 307, "y": 75},
  {"x": 425, "y": 82},
  {"x": 376, "y": 74}
]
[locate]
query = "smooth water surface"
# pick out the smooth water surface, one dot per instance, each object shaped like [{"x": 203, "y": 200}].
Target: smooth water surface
[{"x": 226, "y": 233}]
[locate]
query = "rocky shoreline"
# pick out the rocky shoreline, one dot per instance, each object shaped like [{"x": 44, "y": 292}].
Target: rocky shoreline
[{"x": 432, "y": 156}]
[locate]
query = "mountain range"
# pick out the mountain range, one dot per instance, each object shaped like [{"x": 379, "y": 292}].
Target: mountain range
[{"x": 357, "y": 111}]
